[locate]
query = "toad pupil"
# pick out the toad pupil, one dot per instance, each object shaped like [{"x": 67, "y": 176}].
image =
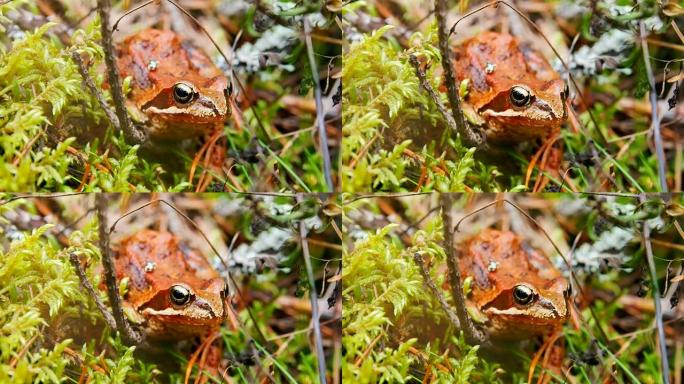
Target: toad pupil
[
  {"x": 180, "y": 295},
  {"x": 182, "y": 93}
]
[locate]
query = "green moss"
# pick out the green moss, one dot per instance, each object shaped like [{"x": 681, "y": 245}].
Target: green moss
[
  {"x": 384, "y": 97},
  {"x": 384, "y": 297},
  {"x": 50, "y": 330},
  {"x": 394, "y": 330},
  {"x": 54, "y": 136},
  {"x": 36, "y": 286},
  {"x": 610, "y": 146}
]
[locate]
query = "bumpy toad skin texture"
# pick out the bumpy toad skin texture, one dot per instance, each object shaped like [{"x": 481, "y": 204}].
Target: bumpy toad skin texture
[
  {"x": 516, "y": 290},
  {"x": 176, "y": 90},
  {"x": 512, "y": 90},
  {"x": 174, "y": 292}
]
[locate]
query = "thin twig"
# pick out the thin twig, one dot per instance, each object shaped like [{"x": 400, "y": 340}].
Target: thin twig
[
  {"x": 130, "y": 335},
  {"x": 91, "y": 291},
  {"x": 469, "y": 137},
  {"x": 322, "y": 134},
  {"x": 318, "y": 339},
  {"x": 131, "y": 133},
  {"x": 435, "y": 291},
  {"x": 115, "y": 27},
  {"x": 93, "y": 89},
  {"x": 472, "y": 334},
  {"x": 655, "y": 118},
  {"x": 664, "y": 362},
  {"x": 38, "y": 196},
  {"x": 413, "y": 60},
  {"x": 192, "y": 222}
]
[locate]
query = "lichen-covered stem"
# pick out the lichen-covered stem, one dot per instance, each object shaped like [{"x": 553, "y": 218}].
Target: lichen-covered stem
[
  {"x": 131, "y": 133},
  {"x": 130, "y": 336},
  {"x": 468, "y": 135},
  {"x": 472, "y": 334}
]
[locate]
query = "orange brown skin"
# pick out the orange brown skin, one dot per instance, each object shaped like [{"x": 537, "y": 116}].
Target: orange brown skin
[
  {"x": 157, "y": 60},
  {"x": 494, "y": 63},
  {"x": 156, "y": 261},
  {"x": 497, "y": 262}
]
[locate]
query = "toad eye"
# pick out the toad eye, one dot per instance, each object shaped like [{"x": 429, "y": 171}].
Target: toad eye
[
  {"x": 520, "y": 96},
  {"x": 179, "y": 295},
  {"x": 183, "y": 93},
  {"x": 522, "y": 294}
]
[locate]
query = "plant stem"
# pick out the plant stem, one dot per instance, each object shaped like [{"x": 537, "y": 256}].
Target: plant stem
[
  {"x": 131, "y": 133},
  {"x": 646, "y": 234},
  {"x": 435, "y": 291},
  {"x": 413, "y": 60},
  {"x": 655, "y": 118},
  {"x": 318, "y": 339},
  {"x": 472, "y": 334},
  {"x": 113, "y": 119},
  {"x": 320, "y": 113},
  {"x": 109, "y": 319},
  {"x": 469, "y": 137},
  {"x": 130, "y": 336}
]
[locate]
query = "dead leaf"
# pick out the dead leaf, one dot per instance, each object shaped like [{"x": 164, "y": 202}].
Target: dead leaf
[
  {"x": 677, "y": 278},
  {"x": 335, "y": 278},
  {"x": 676, "y": 78},
  {"x": 675, "y": 210},
  {"x": 672, "y": 9}
]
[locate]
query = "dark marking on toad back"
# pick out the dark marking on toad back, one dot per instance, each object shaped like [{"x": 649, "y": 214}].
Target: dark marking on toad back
[
  {"x": 140, "y": 75},
  {"x": 481, "y": 276},
  {"x": 137, "y": 276}
]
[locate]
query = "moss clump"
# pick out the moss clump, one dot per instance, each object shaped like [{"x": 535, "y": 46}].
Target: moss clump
[
  {"x": 386, "y": 306},
  {"x": 36, "y": 285},
  {"x": 392, "y": 130}
]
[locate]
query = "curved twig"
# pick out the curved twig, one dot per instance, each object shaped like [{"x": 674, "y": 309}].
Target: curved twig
[
  {"x": 113, "y": 119},
  {"x": 109, "y": 318}
]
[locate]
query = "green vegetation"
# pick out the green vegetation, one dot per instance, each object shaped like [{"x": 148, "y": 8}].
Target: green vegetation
[
  {"x": 394, "y": 329},
  {"x": 54, "y": 136},
  {"x": 395, "y": 140},
  {"x": 385, "y": 96},
  {"x": 51, "y": 331}
]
